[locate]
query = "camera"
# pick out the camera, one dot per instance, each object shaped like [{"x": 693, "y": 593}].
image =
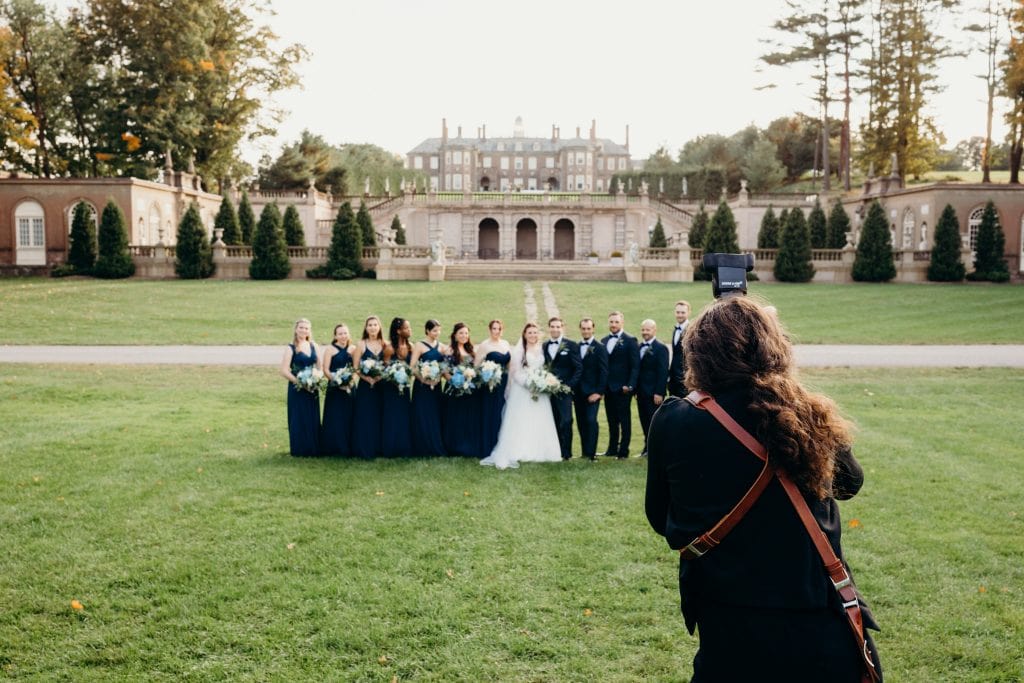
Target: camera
[{"x": 728, "y": 273}]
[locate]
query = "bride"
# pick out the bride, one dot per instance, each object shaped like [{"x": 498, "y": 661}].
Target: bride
[{"x": 527, "y": 427}]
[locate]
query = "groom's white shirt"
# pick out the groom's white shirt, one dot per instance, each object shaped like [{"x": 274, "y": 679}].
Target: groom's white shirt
[{"x": 551, "y": 347}]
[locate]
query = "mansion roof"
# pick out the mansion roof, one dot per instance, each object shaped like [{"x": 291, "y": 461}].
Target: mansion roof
[{"x": 542, "y": 145}]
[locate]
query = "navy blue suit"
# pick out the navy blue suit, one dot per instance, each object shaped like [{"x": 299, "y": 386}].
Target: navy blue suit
[
  {"x": 593, "y": 380},
  {"x": 677, "y": 367},
  {"x": 566, "y": 366},
  {"x": 652, "y": 381},
  {"x": 623, "y": 369}
]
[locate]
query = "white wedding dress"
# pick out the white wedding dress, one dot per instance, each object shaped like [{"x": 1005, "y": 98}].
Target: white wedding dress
[{"x": 527, "y": 431}]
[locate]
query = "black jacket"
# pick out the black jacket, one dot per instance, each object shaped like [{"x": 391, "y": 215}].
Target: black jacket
[
  {"x": 566, "y": 364},
  {"x": 677, "y": 366},
  {"x": 623, "y": 363},
  {"x": 697, "y": 472},
  {"x": 653, "y": 376},
  {"x": 594, "y": 379}
]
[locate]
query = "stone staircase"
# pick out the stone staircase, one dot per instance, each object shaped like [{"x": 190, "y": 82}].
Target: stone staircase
[{"x": 534, "y": 270}]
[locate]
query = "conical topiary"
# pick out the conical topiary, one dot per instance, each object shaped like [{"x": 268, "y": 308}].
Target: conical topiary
[
  {"x": 838, "y": 226},
  {"x": 658, "y": 240},
  {"x": 82, "y": 247},
  {"x": 817, "y": 225},
  {"x": 227, "y": 222},
  {"x": 344, "y": 258},
  {"x": 114, "y": 260},
  {"x": 946, "y": 265},
  {"x": 365, "y": 223},
  {"x": 721, "y": 238},
  {"x": 989, "y": 263},
  {"x": 294, "y": 235},
  {"x": 698, "y": 229},
  {"x": 399, "y": 230},
  {"x": 193, "y": 257},
  {"x": 793, "y": 262},
  {"x": 768, "y": 235},
  {"x": 269, "y": 251},
  {"x": 246, "y": 219},
  {"x": 873, "y": 262}
]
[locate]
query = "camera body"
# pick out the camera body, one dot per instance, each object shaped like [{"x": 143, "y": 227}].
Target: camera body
[{"x": 728, "y": 273}]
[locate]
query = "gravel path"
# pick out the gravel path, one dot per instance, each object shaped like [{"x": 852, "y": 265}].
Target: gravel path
[{"x": 808, "y": 356}]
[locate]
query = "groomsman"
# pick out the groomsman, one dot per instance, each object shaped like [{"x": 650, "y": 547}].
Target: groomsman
[
  {"x": 593, "y": 380},
  {"x": 563, "y": 360},
  {"x": 677, "y": 369},
  {"x": 623, "y": 368},
  {"x": 650, "y": 384}
]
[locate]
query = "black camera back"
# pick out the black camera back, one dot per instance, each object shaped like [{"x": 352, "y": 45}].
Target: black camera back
[{"x": 728, "y": 272}]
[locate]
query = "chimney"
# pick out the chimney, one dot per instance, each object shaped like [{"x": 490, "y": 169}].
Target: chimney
[
  {"x": 627, "y": 137},
  {"x": 577, "y": 131},
  {"x": 460, "y": 132},
  {"x": 554, "y": 135},
  {"x": 444, "y": 131},
  {"x": 593, "y": 130},
  {"x": 485, "y": 132},
  {"x": 478, "y": 132}
]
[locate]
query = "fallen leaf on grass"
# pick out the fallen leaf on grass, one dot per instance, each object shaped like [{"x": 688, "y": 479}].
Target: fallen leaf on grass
[
  {"x": 380, "y": 493},
  {"x": 382, "y": 660},
  {"x": 854, "y": 523},
  {"x": 77, "y": 606},
  {"x": 37, "y": 479},
  {"x": 199, "y": 470},
  {"x": 450, "y": 573},
  {"x": 465, "y": 493},
  {"x": 869, "y": 393},
  {"x": 982, "y": 589},
  {"x": 290, "y": 546},
  {"x": 588, "y": 612}
]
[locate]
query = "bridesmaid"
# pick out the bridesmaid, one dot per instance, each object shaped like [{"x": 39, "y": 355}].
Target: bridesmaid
[
  {"x": 303, "y": 406},
  {"x": 366, "y": 415},
  {"x": 336, "y": 432},
  {"x": 499, "y": 351},
  {"x": 396, "y": 407},
  {"x": 462, "y": 413},
  {"x": 427, "y": 401}
]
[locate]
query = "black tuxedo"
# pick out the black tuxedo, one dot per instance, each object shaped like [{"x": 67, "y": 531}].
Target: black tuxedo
[
  {"x": 651, "y": 382},
  {"x": 623, "y": 369},
  {"x": 566, "y": 366},
  {"x": 593, "y": 380},
  {"x": 677, "y": 368}
]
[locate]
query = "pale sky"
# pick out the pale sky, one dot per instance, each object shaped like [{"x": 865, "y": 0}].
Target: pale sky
[{"x": 387, "y": 72}]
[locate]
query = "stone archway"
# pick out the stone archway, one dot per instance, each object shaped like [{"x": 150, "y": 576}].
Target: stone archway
[
  {"x": 526, "y": 239},
  {"x": 565, "y": 240},
  {"x": 552, "y": 184},
  {"x": 30, "y": 234},
  {"x": 488, "y": 239},
  {"x": 485, "y": 184}
]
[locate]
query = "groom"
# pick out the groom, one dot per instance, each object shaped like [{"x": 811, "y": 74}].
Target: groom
[{"x": 562, "y": 358}]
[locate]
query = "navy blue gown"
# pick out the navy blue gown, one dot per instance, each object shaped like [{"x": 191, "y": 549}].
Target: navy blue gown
[
  {"x": 492, "y": 405},
  {"x": 427, "y": 402},
  {"x": 462, "y": 423},
  {"x": 396, "y": 421},
  {"x": 336, "y": 432},
  {"x": 366, "y": 416},
  {"x": 303, "y": 409}
]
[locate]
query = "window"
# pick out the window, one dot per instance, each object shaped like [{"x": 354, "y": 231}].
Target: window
[
  {"x": 923, "y": 245},
  {"x": 611, "y": 163},
  {"x": 487, "y": 162},
  {"x": 973, "y": 223},
  {"x": 457, "y": 181},
  {"x": 622, "y": 163},
  {"x": 531, "y": 184},
  {"x": 590, "y": 159},
  {"x": 457, "y": 158},
  {"x": 570, "y": 182},
  {"x": 433, "y": 163},
  {"x": 433, "y": 182},
  {"x": 908, "y": 229},
  {"x": 504, "y": 184},
  {"x": 447, "y": 158},
  {"x": 519, "y": 163},
  {"x": 600, "y": 185},
  {"x": 501, "y": 146},
  {"x": 579, "y": 182},
  {"x": 504, "y": 163},
  {"x": 533, "y": 163},
  {"x": 417, "y": 162},
  {"x": 519, "y": 147},
  {"x": 580, "y": 156},
  {"x": 447, "y": 181},
  {"x": 30, "y": 234},
  {"x": 536, "y": 147},
  {"x": 549, "y": 162}
]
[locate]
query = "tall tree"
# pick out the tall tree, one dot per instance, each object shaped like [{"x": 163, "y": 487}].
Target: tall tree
[
  {"x": 113, "y": 260},
  {"x": 838, "y": 226},
  {"x": 1013, "y": 89},
  {"x": 847, "y": 37},
  {"x": 793, "y": 262},
  {"x": 246, "y": 218},
  {"x": 294, "y": 235},
  {"x": 989, "y": 38},
  {"x": 761, "y": 166},
  {"x": 989, "y": 261},
  {"x": 873, "y": 262},
  {"x": 344, "y": 257},
  {"x": 817, "y": 226},
  {"x": 768, "y": 235},
  {"x": 269, "y": 251},
  {"x": 193, "y": 257},
  {"x": 721, "y": 237},
  {"x": 227, "y": 222},
  {"x": 365, "y": 223},
  {"x": 945, "y": 265},
  {"x": 310, "y": 158},
  {"x": 82, "y": 248}
]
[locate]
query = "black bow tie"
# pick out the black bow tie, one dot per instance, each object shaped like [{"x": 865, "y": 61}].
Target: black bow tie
[
  {"x": 679, "y": 327},
  {"x": 552, "y": 342},
  {"x": 586, "y": 343},
  {"x": 646, "y": 344}
]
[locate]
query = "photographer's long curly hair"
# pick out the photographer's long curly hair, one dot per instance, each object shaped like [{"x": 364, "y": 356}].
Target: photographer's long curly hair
[{"x": 736, "y": 344}]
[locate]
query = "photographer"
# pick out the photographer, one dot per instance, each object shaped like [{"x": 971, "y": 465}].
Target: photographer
[{"x": 762, "y": 600}]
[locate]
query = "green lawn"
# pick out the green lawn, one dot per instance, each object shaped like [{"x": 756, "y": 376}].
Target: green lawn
[
  {"x": 201, "y": 551},
  {"x": 218, "y": 312}
]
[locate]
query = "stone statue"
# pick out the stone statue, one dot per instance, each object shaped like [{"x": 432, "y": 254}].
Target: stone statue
[
  {"x": 661, "y": 185},
  {"x": 366, "y": 186},
  {"x": 686, "y": 189},
  {"x": 437, "y": 252},
  {"x": 387, "y": 185},
  {"x": 643, "y": 187},
  {"x": 634, "y": 254},
  {"x": 168, "y": 161}
]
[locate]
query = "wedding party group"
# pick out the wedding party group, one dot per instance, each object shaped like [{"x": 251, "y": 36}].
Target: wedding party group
[{"x": 500, "y": 402}]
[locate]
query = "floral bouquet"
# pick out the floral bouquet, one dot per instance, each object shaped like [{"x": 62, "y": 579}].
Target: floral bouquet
[
  {"x": 430, "y": 370},
  {"x": 400, "y": 374},
  {"x": 371, "y": 367},
  {"x": 345, "y": 378},
  {"x": 491, "y": 374},
  {"x": 463, "y": 380},
  {"x": 540, "y": 381},
  {"x": 309, "y": 379}
]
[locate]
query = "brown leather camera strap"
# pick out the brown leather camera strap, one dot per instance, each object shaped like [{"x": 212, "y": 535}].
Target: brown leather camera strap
[{"x": 841, "y": 580}]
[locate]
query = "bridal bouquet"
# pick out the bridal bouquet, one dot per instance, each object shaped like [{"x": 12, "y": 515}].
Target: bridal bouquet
[
  {"x": 309, "y": 379},
  {"x": 490, "y": 373},
  {"x": 430, "y": 370},
  {"x": 371, "y": 368},
  {"x": 345, "y": 378},
  {"x": 400, "y": 374},
  {"x": 463, "y": 380},
  {"x": 540, "y": 381}
]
